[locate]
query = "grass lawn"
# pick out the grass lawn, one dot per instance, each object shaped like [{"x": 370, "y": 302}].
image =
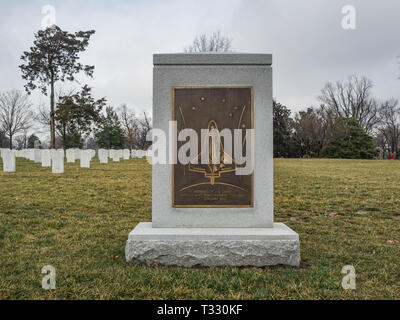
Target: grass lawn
[{"x": 347, "y": 212}]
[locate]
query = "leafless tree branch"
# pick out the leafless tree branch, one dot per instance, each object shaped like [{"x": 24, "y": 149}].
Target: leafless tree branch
[
  {"x": 15, "y": 113},
  {"x": 210, "y": 43}
]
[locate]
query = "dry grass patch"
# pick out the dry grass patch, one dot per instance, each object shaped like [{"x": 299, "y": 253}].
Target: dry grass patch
[{"x": 79, "y": 222}]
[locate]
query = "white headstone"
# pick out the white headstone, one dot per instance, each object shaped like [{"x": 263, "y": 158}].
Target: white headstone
[
  {"x": 70, "y": 153},
  {"x": 46, "y": 158},
  {"x": 86, "y": 156},
  {"x": 149, "y": 155},
  {"x": 37, "y": 155},
  {"x": 19, "y": 153},
  {"x": 126, "y": 154},
  {"x": 26, "y": 153},
  {"x": 103, "y": 155},
  {"x": 57, "y": 160},
  {"x": 77, "y": 154},
  {"x": 8, "y": 160},
  {"x": 115, "y": 155},
  {"x": 31, "y": 154}
]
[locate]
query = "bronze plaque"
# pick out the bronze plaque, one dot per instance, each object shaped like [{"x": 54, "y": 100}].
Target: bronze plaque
[{"x": 212, "y": 185}]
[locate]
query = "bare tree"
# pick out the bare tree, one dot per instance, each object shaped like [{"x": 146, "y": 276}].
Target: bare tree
[
  {"x": 22, "y": 140},
  {"x": 389, "y": 127},
  {"x": 144, "y": 127},
  {"x": 43, "y": 115},
  {"x": 15, "y": 113},
  {"x": 328, "y": 118},
  {"x": 210, "y": 43},
  {"x": 19, "y": 142},
  {"x": 136, "y": 128},
  {"x": 310, "y": 132},
  {"x": 352, "y": 99},
  {"x": 130, "y": 124}
]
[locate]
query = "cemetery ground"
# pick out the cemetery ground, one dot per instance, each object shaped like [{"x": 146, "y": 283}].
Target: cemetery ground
[{"x": 347, "y": 212}]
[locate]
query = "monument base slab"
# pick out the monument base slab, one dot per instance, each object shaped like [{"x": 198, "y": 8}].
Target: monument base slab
[{"x": 211, "y": 247}]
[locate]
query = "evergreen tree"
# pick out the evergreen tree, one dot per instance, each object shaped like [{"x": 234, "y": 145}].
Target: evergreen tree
[
  {"x": 54, "y": 57},
  {"x": 4, "y": 141},
  {"x": 31, "y": 141},
  {"x": 110, "y": 134},
  {"x": 349, "y": 141},
  {"x": 284, "y": 144},
  {"x": 76, "y": 117}
]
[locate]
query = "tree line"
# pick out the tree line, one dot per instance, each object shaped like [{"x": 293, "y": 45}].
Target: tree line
[
  {"x": 349, "y": 123},
  {"x": 74, "y": 118},
  {"x": 79, "y": 121}
]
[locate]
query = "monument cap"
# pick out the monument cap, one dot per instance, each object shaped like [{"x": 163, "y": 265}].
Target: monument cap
[{"x": 212, "y": 58}]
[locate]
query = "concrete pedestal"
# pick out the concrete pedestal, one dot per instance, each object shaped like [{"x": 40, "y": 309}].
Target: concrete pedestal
[{"x": 211, "y": 247}]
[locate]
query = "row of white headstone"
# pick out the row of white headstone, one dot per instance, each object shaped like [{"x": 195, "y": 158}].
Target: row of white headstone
[{"x": 55, "y": 158}]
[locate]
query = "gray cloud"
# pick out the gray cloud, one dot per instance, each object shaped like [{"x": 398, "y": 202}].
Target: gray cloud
[{"x": 306, "y": 39}]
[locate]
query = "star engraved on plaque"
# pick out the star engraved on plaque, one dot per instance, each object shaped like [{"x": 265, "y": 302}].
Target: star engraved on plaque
[{"x": 212, "y": 184}]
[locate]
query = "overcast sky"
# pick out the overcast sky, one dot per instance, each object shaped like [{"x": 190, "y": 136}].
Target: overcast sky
[{"x": 306, "y": 38}]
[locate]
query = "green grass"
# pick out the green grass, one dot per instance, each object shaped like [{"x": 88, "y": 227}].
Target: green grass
[{"x": 79, "y": 222}]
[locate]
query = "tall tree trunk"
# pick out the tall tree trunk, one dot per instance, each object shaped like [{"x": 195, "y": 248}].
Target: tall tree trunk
[
  {"x": 52, "y": 122},
  {"x": 11, "y": 146}
]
